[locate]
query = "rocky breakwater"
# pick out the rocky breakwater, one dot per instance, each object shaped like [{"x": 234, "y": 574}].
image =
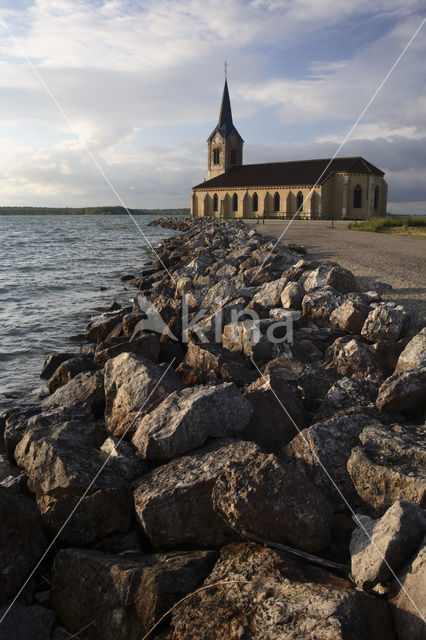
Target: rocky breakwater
[{"x": 217, "y": 438}]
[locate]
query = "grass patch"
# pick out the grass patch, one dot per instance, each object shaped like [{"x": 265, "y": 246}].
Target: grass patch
[{"x": 390, "y": 224}]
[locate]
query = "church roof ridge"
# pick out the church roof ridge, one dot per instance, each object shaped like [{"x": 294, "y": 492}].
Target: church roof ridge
[{"x": 289, "y": 172}]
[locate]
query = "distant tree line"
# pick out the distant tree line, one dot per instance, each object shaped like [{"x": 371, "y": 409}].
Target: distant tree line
[{"x": 86, "y": 211}]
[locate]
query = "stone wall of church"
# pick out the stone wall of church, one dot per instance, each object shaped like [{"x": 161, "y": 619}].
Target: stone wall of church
[
  {"x": 335, "y": 198},
  {"x": 241, "y": 202}
]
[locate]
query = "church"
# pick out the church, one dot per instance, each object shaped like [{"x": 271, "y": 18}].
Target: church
[{"x": 325, "y": 188}]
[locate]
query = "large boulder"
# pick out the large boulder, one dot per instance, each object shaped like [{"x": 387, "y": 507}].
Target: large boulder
[
  {"x": 389, "y": 466},
  {"x": 407, "y": 599},
  {"x": 292, "y": 296},
  {"x": 321, "y": 452},
  {"x": 347, "y": 393},
  {"x": 319, "y": 304},
  {"x": 278, "y": 413},
  {"x": 64, "y": 473},
  {"x": 27, "y": 623},
  {"x": 404, "y": 392},
  {"x": 174, "y": 502},
  {"x": 78, "y": 423},
  {"x": 187, "y": 418},
  {"x": 111, "y": 596},
  {"x": 214, "y": 358},
  {"x": 315, "y": 278},
  {"x": 134, "y": 386},
  {"x": 342, "y": 280},
  {"x": 414, "y": 354},
  {"x": 84, "y": 392},
  {"x": 380, "y": 548},
  {"x": 269, "y": 294},
  {"x": 22, "y": 541},
  {"x": 52, "y": 362},
  {"x": 146, "y": 345},
  {"x": 267, "y": 595},
  {"x": 356, "y": 359},
  {"x": 259, "y": 495},
  {"x": 384, "y": 322},
  {"x": 350, "y": 316},
  {"x": 99, "y": 328},
  {"x": 69, "y": 369}
]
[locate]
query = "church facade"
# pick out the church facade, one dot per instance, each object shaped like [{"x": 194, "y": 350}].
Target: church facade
[{"x": 324, "y": 188}]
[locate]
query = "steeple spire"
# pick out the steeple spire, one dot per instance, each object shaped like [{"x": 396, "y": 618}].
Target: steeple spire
[{"x": 225, "y": 124}]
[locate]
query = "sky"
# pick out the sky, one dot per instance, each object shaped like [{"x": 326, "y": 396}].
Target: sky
[{"x": 111, "y": 101}]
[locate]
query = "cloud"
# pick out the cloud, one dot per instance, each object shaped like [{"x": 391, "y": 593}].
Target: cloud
[{"x": 127, "y": 72}]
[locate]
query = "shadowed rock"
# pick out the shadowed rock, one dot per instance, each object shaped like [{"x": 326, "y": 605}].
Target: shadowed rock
[
  {"x": 389, "y": 466},
  {"x": 119, "y": 597},
  {"x": 22, "y": 541},
  {"x": 186, "y": 419},
  {"x": 389, "y": 545},
  {"x": 259, "y": 495},
  {"x": 174, "y": 503},
  {"x": 134, "y": 386},
  {"x": 272, "y": 596}
]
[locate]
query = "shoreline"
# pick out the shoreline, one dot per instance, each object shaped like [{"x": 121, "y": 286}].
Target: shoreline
[{"x": 208, "y": 472}]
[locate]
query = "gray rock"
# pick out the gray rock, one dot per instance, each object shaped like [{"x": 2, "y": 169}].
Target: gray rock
[
  {"x": 342, "y": 280},
  {"x": 316, "y": 278},
  {"x": 259, "y": 495},
  {"x": 408, "y": 606},
  {"x": 180, "y": 492},
  {"x": 389, "y": 545},
  {"x": 134, "y": 386},
  {"x": 54, "y": 421},
  {"x": 186, "y": 419},
  {"x": 322, "y": 451},
  {"x": 68, "y": 370},
  {"x": 414, "y": 354},
  {"x": 404, "y": 392},
  {"x": 389, "y": 466},
  {"x": 346, "y": 393},
  {"x": 217, "y": 294},
  {"x": 276, "y": 411},
  {"x": 272, "y": 596},
  {"x": 269, "y": 294},
  {"x": 22, "y": 541},
  {"x": 52, "y": 362},
  {"x": 98, "y": 330},
  {"x": 26, "y": 623},
  {"x": 146, "y": 345},
  {"x": 319, "y": 304},
  {"x": 383, "y": 323},
  {"x": 121, "y": 597},
  {"x": 224, "y": 363},
  {"x": 350, "y": 316},
  {"x": 124, "y": 459},
  {"x": 60, "y": 473},
  {"x": 292, "y": 296},
  {"x": 355, "y": 359},
  {"x": 84, "y": 392}
]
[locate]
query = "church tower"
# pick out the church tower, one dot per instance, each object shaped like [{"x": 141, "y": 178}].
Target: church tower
[{"x": 225, "y": 145}]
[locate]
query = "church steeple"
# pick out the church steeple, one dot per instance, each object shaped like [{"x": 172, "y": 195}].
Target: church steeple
[
  {"x": 225, "y": 145},
  {"x": 225, "y": 124}
]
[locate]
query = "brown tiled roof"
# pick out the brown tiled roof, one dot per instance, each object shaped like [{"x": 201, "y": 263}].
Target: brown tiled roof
[{"x": 298, "y": 172}]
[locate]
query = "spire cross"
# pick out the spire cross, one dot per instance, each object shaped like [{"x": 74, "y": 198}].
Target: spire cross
[{"x": 226, "y": 70}]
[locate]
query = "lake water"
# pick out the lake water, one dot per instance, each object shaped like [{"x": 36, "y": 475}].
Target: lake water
[{"x": 52, "y": 269}]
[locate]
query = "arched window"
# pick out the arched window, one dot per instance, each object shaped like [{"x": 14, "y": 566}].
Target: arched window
[
  {"x": 376, "y": 198},
  {"x": 215, "y": 202},
  {"x": 216, "y": 156},
  {"x": 235, "y": 202},
  {"x": 299, "y": 201},
  {"x": 233, "y": 156},
  {"x": 276, "y": 201},
  {"x": 357, "y": 197},
  {"x": 255, "y": 203}
]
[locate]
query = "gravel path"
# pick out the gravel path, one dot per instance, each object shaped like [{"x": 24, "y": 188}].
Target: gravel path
[{"x": 394, "y": 266}]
